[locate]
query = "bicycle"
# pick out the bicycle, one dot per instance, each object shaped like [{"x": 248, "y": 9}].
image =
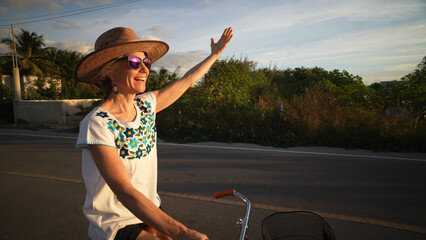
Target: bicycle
[{"x": 294, "y": 225}]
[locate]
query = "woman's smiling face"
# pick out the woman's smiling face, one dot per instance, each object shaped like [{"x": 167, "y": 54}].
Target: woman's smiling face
[{"x": 129, "y": 81}]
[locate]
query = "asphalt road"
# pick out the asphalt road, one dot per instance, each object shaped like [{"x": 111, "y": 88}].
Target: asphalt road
[{"x": 362, "y": 195}]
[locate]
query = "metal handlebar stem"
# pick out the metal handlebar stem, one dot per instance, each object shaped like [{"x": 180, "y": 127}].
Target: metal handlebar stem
[{"x": 244, "y": 222}]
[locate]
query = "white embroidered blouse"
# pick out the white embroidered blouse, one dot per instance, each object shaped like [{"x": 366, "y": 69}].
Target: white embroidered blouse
[{"x": 136, "y": 145}]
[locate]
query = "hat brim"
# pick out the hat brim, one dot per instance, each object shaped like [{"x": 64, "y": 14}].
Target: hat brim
[{"x": 91, "y": 64}]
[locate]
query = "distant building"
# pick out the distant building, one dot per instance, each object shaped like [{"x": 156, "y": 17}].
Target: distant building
[{"x": 29, "y": 82}]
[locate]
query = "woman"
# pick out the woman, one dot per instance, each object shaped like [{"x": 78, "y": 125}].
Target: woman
[{"x": 118, "y": 137}]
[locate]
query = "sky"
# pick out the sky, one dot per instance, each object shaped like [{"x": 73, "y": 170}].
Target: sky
[{"x": 379, "y": 40}]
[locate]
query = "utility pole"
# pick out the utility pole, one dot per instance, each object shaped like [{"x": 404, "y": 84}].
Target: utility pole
[{"x": 16, "y": 78}]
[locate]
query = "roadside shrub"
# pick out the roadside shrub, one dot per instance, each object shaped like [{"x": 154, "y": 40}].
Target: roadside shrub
[
  {"x": 238, "y": 103},
  {"x": 6, "y": 104}
]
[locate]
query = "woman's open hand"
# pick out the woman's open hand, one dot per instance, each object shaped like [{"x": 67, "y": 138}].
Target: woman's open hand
[{"x": 217, "y": 48}]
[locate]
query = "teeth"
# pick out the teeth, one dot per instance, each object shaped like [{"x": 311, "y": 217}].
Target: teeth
[{"x": 140, "y": 79}]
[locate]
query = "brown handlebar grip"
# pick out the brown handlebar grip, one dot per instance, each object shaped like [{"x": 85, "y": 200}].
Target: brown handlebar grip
[{"x": 224, "y": 193}]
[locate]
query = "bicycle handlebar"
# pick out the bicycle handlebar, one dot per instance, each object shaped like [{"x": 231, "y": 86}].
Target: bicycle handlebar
[
  {"x": 243, "y": 222},
  {"x": 224, "y": 193}
]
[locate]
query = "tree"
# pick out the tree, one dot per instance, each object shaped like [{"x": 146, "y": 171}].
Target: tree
[
  {"x": 6, "y": 103},
  {"x": 161, "y": 79},
  {"x": 407, "y": 95},
  {"x": 31, "y": 54},
  {"x": 230, "y": 83},
  {"x": 293, "y": 82},
  {"x": 64, "y": 64},
  {"x": 422, "y": 65},
  {"x": 412, "y": 91}
]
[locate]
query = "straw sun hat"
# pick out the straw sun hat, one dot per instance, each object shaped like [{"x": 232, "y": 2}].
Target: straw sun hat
[{"x": 115, "y": 43}]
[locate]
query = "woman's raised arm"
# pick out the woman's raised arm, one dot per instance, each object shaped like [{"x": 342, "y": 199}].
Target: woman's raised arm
[{"x": 172, "y": 92}]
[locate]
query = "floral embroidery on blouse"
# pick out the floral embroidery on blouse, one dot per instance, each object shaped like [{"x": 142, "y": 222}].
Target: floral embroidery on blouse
[
  {"x": 134, "y": 143},
  {"x": 102, "y": 114}
]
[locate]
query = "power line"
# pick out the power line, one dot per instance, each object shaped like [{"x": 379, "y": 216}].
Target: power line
[
  {"x": 70, "y": 11},
  {"x": 65, "y": 14}
]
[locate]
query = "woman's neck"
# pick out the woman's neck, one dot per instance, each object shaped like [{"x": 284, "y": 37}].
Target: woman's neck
[{"x": 120, "y": 106}]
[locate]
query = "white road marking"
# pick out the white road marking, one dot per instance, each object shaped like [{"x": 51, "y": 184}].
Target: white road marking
[
  {"x": 244, "y": 149},
  {"x": 297, "y": 152}
]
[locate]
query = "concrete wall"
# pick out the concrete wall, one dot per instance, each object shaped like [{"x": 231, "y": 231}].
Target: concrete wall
[
  {"x": 46, "y": 111},
  {"x": 51, "y": 111}
]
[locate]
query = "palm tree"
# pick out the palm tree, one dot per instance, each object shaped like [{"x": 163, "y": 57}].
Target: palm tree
[
  {"x": 160, "y": 79},
  {"x": 31, "y": 54},
  {"x": 51, "y": 55},
  {"x": 65, "y": 62}
]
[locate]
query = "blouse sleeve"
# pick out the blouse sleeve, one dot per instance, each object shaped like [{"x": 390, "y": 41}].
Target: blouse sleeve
[
  {"x": 94, "y": 130},
  {"x": 147, "y": 102}
]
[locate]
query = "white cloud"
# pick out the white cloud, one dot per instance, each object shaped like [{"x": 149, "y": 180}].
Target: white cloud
[
  {"x": 31, "y": 4},
  {"x": 49, "y": 42},
  {"x": 49, "y": 4},
  {"x": 65, "y": 24},
  {"x": 371, "y": 45},
  {"x": 356, "y": 10},
  {"x": 81, "y": 47},
  {"x": 410, "y": 49},
  {"x": 149, "y": 37},
  {"x": 397, "y": 58},
  {"x": 402, "y": 68},
  {"x": 156, "y": 29},
  {"x": 182, "y": 60},
  {"x": 89, "y": 3},
  {"x": 372, "y": 38},
  {"x": 265, "y": 18},
  {"x": 207, "y": 2},
  {"x": 295, "y": 14},
  {"x": 159, "y": 31}
]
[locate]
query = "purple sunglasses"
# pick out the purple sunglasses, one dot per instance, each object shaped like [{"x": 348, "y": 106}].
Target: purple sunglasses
[{"x": 135, "y": 63}]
